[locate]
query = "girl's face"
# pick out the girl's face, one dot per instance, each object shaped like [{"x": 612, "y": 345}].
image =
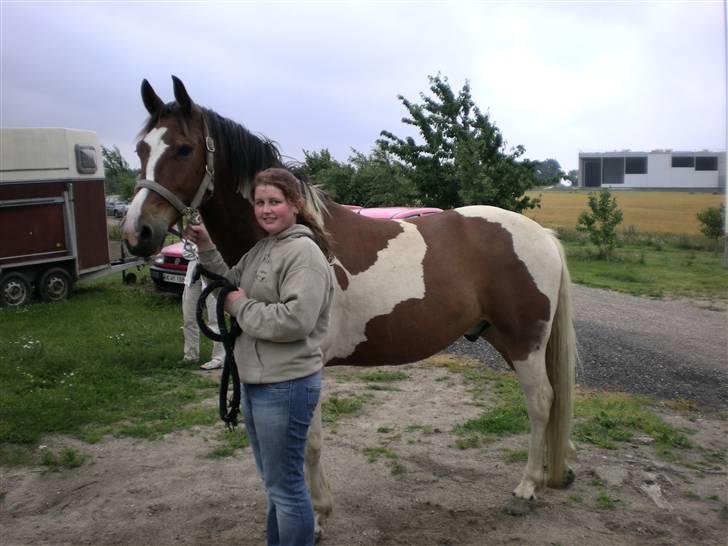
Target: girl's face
[{"x": 272, "y": 210}]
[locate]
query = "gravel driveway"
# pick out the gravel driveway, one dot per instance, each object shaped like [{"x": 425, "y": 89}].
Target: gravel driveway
[{"x": 665, "y": 349}]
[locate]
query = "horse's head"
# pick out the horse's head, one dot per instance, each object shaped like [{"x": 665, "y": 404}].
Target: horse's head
[{"x": 176, "y": 162}]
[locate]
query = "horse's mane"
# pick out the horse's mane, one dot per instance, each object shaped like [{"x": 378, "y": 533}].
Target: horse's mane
[{"x": 243, "y": 154}]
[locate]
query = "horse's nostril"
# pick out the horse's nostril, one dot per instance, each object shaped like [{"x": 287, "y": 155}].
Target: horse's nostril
[{"x": 145, "y": 233}]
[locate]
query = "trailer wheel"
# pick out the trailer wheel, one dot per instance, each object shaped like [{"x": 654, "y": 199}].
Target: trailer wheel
[
  {"x": 14, "y": 290},
  {"x": 54, "y": 284}
]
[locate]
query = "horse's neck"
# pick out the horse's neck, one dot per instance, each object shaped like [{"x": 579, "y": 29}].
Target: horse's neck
[{"x": 231, "y": 223}]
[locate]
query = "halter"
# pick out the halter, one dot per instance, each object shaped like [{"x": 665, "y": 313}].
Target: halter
[{"x": 189, "y": 213}]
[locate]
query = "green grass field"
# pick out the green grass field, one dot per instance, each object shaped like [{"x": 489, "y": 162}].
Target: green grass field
[{"x": 649, "y": 212}]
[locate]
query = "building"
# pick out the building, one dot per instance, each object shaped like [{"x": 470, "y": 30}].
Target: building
[{"x": 659, "y": 169}]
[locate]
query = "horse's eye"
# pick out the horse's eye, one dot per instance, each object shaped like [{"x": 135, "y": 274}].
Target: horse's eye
[{"x": 184, "y": 151}]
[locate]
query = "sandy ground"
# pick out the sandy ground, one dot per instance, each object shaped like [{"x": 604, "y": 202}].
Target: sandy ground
[{"x": 169, "y": 492}]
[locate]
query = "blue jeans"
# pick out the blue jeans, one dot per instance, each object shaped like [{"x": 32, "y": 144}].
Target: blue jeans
[{"x": 277, "y": 417}]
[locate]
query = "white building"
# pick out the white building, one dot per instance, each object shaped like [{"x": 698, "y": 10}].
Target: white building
[{"x": 663, "y": 169}]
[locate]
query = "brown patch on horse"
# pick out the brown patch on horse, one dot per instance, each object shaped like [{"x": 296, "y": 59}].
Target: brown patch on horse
[
  {"x": 508, "y": 295},
  {"x": 341, "y": 277},
  {"x": 365, "y": 238}
]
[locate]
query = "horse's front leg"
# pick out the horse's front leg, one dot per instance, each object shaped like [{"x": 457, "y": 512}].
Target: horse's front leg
[{"x": 318, "y": 486}]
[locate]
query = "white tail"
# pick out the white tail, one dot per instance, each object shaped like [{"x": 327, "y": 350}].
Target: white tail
[{"x": 561, "y": 358}]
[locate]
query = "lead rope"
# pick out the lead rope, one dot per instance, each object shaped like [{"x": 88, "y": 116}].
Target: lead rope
[{"x": 229, "y": 408}]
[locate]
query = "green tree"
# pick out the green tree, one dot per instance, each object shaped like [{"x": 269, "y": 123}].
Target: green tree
[
  {"x": 462, "y": 158},
  {"x": 120, "y": 178},
  {"x": 601, "y": 223},
  {"x": 548, "y": 172},
  {"x": 712, "y": 222},
  {"x": 334, "y": 177},
  {"x": 382, "y": 181}
]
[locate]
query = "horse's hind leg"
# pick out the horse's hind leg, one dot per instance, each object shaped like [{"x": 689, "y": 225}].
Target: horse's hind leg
[
  {"x": 539, "y": 396},
  {"x": 318, "y": 486}
]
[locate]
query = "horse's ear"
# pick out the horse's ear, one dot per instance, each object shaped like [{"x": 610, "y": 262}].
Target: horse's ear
[
  {"x": 152, "y": 102},
  {"x": 181, "y": 96}
]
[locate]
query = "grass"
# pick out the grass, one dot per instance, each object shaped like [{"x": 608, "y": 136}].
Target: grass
[
  {"x": 228, "y": 442},
  {"x": 384, "y": 376},
  {"x": 655, "y": 270},
  {"x": 603, "y": 419},
  {"x": 607, "y": 419},
  {"x": 650, "y": 212},
  {"x": 335, "y": 407},
  {"x": 605, "y": 501},
  {"x": 374, "y": 454},
  {"x": 67, "y": 458},
  {"x": 105, "y": 361},
  {"x": 660, "y": 252}
]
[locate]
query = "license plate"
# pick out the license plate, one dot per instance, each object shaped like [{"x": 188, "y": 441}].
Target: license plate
[{"x": 169, "y": 277}]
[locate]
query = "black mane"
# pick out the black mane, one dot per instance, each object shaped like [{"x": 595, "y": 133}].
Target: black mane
[{"x": 239, "y": 151}]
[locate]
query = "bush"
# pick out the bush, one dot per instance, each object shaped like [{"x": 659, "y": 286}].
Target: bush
[
  {"x": 712, "y": 222},
  {"x": 601, "y": 223}
]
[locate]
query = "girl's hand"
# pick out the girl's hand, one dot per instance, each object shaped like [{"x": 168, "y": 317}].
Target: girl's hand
[
  {"x": 197, "y": 233},
  {"x": 232, "y": 297}
]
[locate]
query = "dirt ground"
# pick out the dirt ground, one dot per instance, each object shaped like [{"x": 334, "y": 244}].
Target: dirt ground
[{"x": 429, "y": 492}]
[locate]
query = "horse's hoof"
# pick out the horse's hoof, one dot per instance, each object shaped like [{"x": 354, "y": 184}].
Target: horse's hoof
[
  {"x": 569, "y": 477},
  {"x": 519, "y": 507},
  {"x": 318, "y": 534}
]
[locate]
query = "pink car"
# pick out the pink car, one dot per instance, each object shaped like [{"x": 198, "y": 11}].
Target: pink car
[
  {"x": 397, "y": 213},
  {"x": 169, "y": 268}
]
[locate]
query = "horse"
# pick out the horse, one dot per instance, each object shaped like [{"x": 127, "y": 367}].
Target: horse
[{"x": 405, "y": 290}]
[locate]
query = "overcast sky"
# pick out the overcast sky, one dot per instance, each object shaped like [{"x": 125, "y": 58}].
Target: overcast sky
[{"x": 556, "y": 77}]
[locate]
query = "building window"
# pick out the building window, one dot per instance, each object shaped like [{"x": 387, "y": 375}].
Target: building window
[
  {"x": 635, "y": 165},
  {"x": 683, "y": 161},
  {"x": 708, "y": 163},
  {"x": 613, "y": 170}
]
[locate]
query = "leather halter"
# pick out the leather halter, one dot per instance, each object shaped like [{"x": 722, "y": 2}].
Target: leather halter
[{"x": 189, "y": 212}]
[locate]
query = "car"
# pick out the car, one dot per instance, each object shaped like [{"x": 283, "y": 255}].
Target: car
[
  {"x": 397, "y": 213},
  {"x": 116, "y": 207},
  {"x": 169, "y": 268}
]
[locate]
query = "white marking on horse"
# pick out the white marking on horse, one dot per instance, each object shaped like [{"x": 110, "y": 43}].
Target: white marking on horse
[
  {"x": 156, "y": 148},
  {"x": 397, "y": 275}
]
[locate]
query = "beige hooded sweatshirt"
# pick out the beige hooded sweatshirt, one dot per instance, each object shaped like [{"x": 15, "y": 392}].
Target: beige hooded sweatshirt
[{"x": 285, "y": 317}]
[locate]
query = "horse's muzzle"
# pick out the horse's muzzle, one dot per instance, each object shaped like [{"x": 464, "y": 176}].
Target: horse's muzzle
[{"x": 145, "y": 238}]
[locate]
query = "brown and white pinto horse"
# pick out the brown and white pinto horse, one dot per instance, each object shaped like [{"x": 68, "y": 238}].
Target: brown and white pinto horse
[{"x": 405, "y": 289}]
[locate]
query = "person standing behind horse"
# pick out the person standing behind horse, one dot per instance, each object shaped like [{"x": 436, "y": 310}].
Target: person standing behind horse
[
  {"x": 283, "y": 306},
  {"x": 190, "y": 329}
]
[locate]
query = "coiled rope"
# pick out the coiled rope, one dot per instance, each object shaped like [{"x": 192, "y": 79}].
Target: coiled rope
[{"x": 229, "y": 408}]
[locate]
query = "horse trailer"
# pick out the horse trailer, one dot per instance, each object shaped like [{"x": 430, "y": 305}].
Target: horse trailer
[{"x": 52, "y": 214}]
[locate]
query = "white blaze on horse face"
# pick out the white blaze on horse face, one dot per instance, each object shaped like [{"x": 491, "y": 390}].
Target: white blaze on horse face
[
  {"x": 156, "y": 148},
  {"x": 533, "y": 245},
  {"x": 396, "y": 276}
]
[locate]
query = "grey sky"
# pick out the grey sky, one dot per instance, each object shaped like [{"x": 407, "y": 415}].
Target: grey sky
[{"x": 555, "y": 77}]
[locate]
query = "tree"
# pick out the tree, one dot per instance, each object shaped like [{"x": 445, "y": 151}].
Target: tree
[
  {"x": 712, "y": 222},
  {"x": 462, "y": 158},
  {"x": 548, "y": 172},
  {"x": 601, "y": 222},
  {"x": 334, "y": 177},
  {"x": 120, "y": 178},
  {"x": 382, "y": 181}
]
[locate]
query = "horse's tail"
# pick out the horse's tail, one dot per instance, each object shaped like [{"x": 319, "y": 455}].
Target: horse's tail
[{"x": 561, "y": 358}]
